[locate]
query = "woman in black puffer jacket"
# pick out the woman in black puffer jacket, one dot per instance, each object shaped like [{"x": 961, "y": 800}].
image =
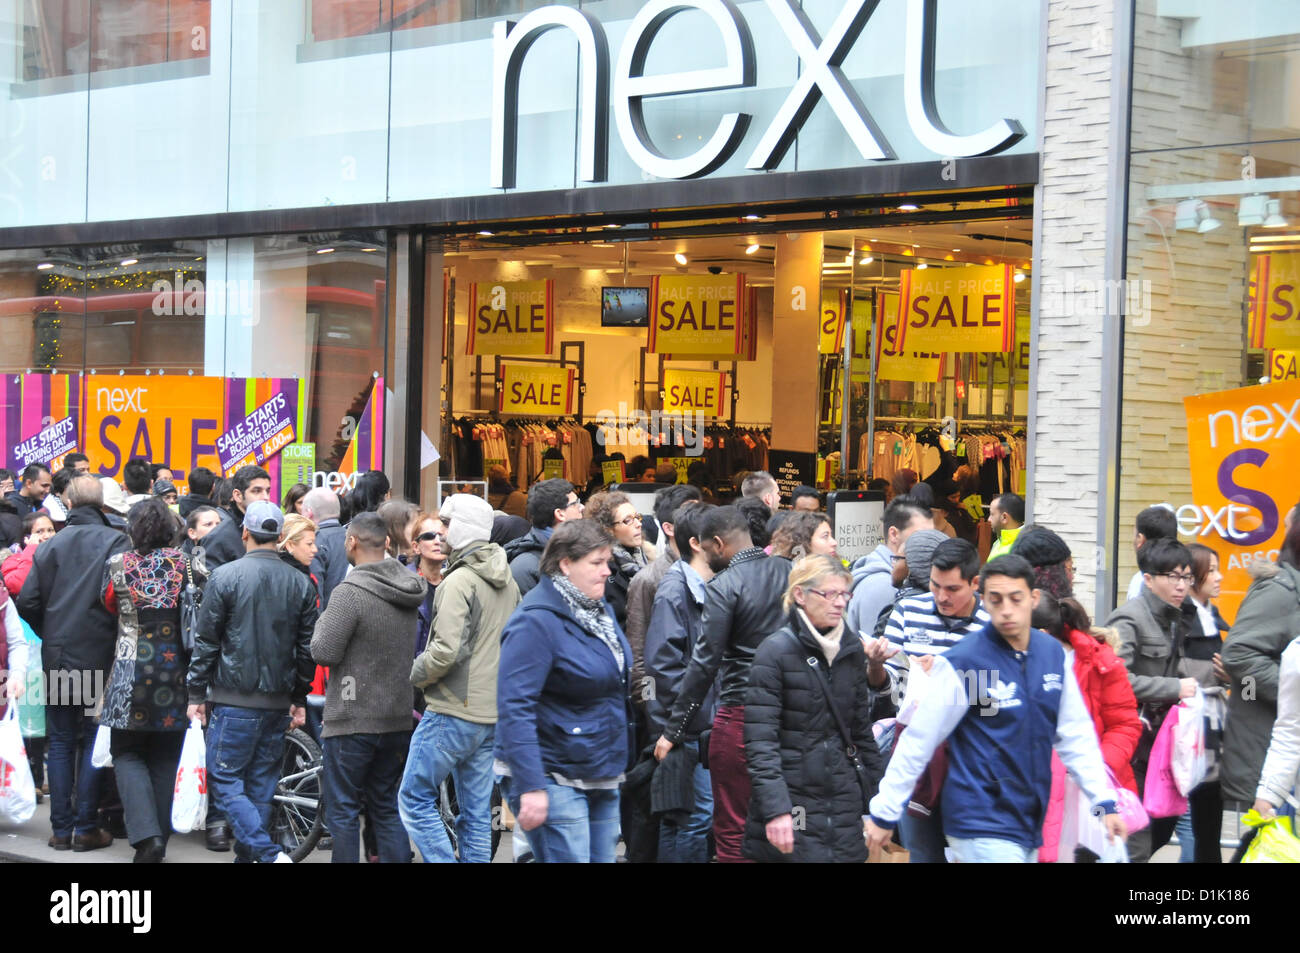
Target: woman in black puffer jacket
[{"x": 807, "y": 802}]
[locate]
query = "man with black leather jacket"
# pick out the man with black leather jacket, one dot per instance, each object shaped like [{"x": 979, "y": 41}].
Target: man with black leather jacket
[
  {"x": 60, "y": 600},
  {"x": 252, "y": 661},
  {"x": 742, "y": 607}
]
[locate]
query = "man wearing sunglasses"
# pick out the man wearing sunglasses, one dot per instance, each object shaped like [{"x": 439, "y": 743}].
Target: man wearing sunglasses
[
  {"x": 550, "y": 503},
  {"x": 1153, "y": 630}
]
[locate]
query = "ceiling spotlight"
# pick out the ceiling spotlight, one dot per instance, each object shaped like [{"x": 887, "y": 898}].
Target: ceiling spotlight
[
  {"x": 922, "y": 266},
  {"x": 44, "y": 266},
  {"x": 1274, "y": 218},
  {"x": 751, "y": 249},
  {"x": 485, "y": 234},
  {"x": 866, "y": 260},
  {"x": 753, "y": 218},
  {"x": 956, "y": 249},
  {"x": 1252, "y": 210},
  {"x": 323, "y": 251},
  {"x": 988, "y": 261},
  {"x": 370, "y": 249},
  {"x": 129, "y": 261},
  {"x": 909, "y": 207},
  {"x": 679, "y": 258},
  {"x": 1018, "y": 277},
  {"x": 1194, "y": 214},
  {"x": 948, "y": 258}
]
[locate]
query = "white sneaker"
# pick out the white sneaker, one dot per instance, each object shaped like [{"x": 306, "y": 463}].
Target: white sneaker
[{"x": 282, "y": 858}]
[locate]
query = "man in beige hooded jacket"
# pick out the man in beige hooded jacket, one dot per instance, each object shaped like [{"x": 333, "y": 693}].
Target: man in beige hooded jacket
[{"x": 458, "y": 672}]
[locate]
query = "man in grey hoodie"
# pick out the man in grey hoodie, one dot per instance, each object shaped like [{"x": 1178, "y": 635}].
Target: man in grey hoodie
[
  {"x": 365, "y": 638},
  {"x": 873, "y": 589}
]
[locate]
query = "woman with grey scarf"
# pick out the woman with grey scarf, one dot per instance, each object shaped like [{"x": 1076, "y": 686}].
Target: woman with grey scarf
[
  {"x": 629, "y": 554},
  {"x": 564, "y": 729}
]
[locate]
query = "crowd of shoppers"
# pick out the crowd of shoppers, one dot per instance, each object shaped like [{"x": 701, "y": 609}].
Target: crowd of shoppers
[{"x": 723, "y": 688}]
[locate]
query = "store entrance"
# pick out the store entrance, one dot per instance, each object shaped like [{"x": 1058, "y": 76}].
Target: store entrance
[{"x": 721, "y": 342}]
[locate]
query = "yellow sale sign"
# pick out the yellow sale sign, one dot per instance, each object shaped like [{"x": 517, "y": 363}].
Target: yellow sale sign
[
  {"x": 830, "y": 334},
  {"x": 891, "y": 364},
  {"x": 697, "y": 316},
  {"x": 957, "y": 309},
  {"x": 537, "y": 389},
  {"x": 511, "y": 317},
  {"x": 1244, "y": 447},
  {"x": 860, "y": 341},
  {"x": 694, "y": 392},
  {"x": 1275, "y": 301},
  {"x": 1283, "y": 365}
]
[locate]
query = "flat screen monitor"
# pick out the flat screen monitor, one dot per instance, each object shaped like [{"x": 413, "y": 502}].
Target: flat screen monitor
[{"x": 624, "y": 307}]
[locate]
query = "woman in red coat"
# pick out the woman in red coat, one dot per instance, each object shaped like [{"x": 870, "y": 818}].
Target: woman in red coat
[{"x": 1103, "y": 682}]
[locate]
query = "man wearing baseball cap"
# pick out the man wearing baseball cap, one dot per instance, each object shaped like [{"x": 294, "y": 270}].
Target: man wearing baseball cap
[{"x": 252, "y": 665}]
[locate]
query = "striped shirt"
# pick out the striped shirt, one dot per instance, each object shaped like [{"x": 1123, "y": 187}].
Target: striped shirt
[{"x": 918, "y": 629}]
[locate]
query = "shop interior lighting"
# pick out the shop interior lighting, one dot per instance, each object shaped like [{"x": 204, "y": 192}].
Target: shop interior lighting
[
  {"x": 1252, "y": 210},
  {"x": 679, "y": 258},
  {"x": 1195, "y": 215},
  {"x": 866, "y": 260},
  {"x": 370, "y": 249},
  {"x": 753, "y": 218},
  {"x": 1018, "y": 277},
  {"x": 751, "y": 249},
  {"x": 323, "y": 251},
  {"x": 1274, "y": 238},
  {"x": 485, "y": 234},
  {"x": 1274, "y": 217},
  {"x": 44, "y": 266},
  {"x": 922, "y": 266},
  {"x": 130, "y": 261},
  {"x": 909, "y": 207}
]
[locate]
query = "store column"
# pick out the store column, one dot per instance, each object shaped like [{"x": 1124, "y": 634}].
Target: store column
[{"x": 795, "y": 309}]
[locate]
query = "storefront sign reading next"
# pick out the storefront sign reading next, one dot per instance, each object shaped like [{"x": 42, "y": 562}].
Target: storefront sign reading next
[
  {"x": 1244, "y": 447},
  {"x": 818, "y": 75}
]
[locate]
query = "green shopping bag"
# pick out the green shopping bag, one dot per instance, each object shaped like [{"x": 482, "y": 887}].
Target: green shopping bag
[
  {"x": 1275, "y": 842},
  {"x": 31, "y": 707}
]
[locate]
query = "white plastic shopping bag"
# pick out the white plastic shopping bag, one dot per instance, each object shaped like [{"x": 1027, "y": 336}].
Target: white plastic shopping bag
[
  {"x": 190, "y": 796},
  {"x": 918, "y": 686},
  {"x": 17, "y": 790},
  {"x": 102, "y": 756},
  {"x": 1188, "y": 762}
]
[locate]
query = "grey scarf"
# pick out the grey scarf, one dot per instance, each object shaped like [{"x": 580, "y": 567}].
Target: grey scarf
[{"x": 591, "y": 615}]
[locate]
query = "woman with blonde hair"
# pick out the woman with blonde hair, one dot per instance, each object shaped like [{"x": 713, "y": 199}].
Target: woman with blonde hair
[
  {"x": 297, "y": 546},
  {"x": 808, "y": 737}
]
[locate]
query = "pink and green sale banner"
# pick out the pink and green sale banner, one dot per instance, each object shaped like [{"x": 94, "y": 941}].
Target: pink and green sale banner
[{"x": 40, "y": 418}]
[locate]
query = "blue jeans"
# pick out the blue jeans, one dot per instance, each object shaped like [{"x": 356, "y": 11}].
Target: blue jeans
[
  {"x": 990, "y": 850},
  {"x": 689, "y": 842},
  {"x": 365, "y": 769},
  {"x": 1186, "y": 839},
  {"x": 581, "y": 826},
  {"x": 71, "y": 773},
  {"x": 923, "y": 838},
  {"x": 245, "y": 748},
  {"x": 443, "y": 745}
]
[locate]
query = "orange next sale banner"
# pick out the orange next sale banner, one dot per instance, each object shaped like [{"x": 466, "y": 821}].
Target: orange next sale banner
[
  {"x": 169, "y": 419},
  {"x": 957, "y": 309},
  {"x": 1244, "y": 447}
]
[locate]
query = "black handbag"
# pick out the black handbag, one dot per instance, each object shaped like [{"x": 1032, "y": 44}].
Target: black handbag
[{"x": 850, "y": 749}]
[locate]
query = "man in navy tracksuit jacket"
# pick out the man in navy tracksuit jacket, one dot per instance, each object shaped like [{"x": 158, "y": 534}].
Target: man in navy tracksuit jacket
[{"x": 1003, "y": 698}]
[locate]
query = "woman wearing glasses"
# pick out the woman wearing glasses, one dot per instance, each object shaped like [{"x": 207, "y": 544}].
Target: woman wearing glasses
[
  {"x": 800, "y": 761},
  {"x": 630, "y": 553},
  {"x": 427, "y": 560}
]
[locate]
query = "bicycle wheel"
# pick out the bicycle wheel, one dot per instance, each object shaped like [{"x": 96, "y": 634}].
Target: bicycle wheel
[
  {"x": 449, "y": 809},
  {"x": 297, "y": 820}
]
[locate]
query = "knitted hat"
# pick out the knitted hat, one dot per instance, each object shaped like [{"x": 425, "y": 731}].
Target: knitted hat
[
  {"x": 468, "y": 518},
  {"x": 1039, "y": 546},
  {"x": 919, "y": 550}
]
